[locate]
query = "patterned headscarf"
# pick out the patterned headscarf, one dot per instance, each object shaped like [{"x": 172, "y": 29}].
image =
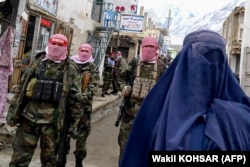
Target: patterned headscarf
[
  {"x": 57, "y": 47},
  {"x": 149, "y": 54}
]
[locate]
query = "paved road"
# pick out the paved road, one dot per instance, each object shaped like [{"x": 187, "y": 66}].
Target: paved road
[{"x": 102, "y": 144}]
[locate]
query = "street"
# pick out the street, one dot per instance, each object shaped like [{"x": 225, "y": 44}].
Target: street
[{"x": 102, "y": 146}]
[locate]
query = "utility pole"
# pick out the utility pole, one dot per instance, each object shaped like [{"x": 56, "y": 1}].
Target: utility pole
[{"x": 168, "y": 20}]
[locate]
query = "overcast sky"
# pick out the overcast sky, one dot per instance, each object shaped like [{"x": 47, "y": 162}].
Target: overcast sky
[{"x": 197, "y": 5}]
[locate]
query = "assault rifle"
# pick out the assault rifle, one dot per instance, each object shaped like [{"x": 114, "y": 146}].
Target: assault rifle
[
  {"x": 122, "y": 110},
  {"x": 130, "y": 80},
  {"x": 65, "y": 134},
  {"x": 61, "y": 154}
]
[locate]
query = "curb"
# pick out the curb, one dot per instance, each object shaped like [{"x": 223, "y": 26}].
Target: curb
[{"x": 101, "y": 102}]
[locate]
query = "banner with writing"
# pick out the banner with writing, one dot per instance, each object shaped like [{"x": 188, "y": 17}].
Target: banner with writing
[{"x": 132, "y": 23}]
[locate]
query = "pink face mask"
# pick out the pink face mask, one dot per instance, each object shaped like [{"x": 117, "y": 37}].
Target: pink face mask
[
  {"x": 56, "y": 52},
  {"x": 85, "y": 53},
  {"x": 149, "y": 49},
  {"x": 149, "y": 54},
  {"x": 57, "y": 47}
]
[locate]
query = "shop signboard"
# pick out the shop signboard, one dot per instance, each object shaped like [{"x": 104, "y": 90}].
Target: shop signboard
[
  {"x": 122, "y": 6},
  {"x": 47, "y": 5},
  {"x": 132, "y": 23}
]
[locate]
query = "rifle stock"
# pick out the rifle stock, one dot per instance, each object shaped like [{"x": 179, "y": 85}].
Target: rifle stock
[{"x": 121, "y": 112}]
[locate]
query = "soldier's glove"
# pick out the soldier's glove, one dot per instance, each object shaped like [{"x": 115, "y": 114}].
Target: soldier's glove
[{"x": 126, "y": 90}]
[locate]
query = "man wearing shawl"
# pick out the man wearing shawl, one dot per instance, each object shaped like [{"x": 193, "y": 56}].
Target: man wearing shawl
[
  {"x": 147, "y": 71},
  {"x": 196, "y": 105},
  {"x": 109, "y": 64},
  {"x": 39, "y": 104},
  {"x": 86, "y": 75},
  {"x": 120, "y": 69}
]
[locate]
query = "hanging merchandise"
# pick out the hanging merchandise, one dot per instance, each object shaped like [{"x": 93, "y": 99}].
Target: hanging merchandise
[{"x": 6, "y": 65}]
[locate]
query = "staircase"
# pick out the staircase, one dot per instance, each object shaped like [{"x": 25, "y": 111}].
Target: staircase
[
  {"x": 101, "y": 36},
  {"x": 99, "y": 40}
]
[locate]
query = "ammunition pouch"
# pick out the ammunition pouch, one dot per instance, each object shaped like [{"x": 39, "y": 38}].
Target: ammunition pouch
[
  {"x": 57, "y": 91},
  {"x": 141, "y": 87},
  {"x": 47, "y": 91}
]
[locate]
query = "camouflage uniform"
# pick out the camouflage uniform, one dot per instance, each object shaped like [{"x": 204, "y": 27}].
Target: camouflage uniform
[
  {"x": 146, "y": 72},
  {"x": 107, "y": 75},
  {"x": 87, "y": 77},
  {"x": 121, "y": 67},
  {"x": 41, "y": 118}
]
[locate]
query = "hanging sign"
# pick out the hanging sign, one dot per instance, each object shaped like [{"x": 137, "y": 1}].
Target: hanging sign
[
  {"x": 132, "y": 23},
  {"x": 122, "y": 6},
  {"x": 48, "y": 5}
]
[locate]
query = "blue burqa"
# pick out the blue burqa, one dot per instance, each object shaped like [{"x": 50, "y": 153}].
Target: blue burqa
[{"x": 197, "y": 105}]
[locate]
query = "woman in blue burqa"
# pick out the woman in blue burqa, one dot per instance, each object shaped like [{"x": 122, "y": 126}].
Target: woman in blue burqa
[{"x": 197, "y": 105}]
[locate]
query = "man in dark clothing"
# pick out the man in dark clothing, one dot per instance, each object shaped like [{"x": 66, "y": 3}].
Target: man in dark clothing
[
  {"x": 109, "y": 64},
  {"x": 121, "y": 67}
]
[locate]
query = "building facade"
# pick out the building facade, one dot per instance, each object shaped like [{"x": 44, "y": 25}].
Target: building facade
[
  {"x": 232, "y": 32},
  {"x": 36, "y": 20},
  {"x": 245, "y": 51}
]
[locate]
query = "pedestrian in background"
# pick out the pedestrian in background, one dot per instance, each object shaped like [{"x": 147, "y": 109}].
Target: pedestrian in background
[
  {"x": 86, "y": 75},
  {"x": 197, "y": 105},
  {"x": 40, "y": 101},
  {"x": 121, "y": 67},
  {"x": 147, "y": 72},
  {"x": 109, "y": 65}
]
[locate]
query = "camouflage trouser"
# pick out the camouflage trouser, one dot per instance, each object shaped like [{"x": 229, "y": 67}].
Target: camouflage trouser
[
  {"x": 25, "y": 143},
  {"x": 115, "y": 83},
  {"x": 107, "y": 81},
  {"x": 125, "y": 127},
  {"x": 84, "y": 128}
]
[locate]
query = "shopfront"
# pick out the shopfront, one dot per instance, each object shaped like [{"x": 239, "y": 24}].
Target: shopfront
[{"x": 32, "y": 34}]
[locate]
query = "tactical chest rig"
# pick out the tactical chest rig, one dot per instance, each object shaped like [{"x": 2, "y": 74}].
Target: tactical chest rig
[
  {"x": 142, "y": 86},
  {"x": 47, "y": 85}
]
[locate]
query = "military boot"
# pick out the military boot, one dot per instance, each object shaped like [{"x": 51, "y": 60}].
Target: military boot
[
  {"x": 62, "y": 163},
  {"x": 78, "y": 162}
]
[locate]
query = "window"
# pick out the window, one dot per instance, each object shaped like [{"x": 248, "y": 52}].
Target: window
[
  {"x": 44, "y": 34},
  {"x": 97, "y": 10}
]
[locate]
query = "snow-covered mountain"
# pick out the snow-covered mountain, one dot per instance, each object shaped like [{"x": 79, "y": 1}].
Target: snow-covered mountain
[{"x": 185, "y": 21}]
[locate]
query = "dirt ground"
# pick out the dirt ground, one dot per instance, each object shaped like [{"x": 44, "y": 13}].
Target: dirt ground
[{"x": 102, "y": 147}]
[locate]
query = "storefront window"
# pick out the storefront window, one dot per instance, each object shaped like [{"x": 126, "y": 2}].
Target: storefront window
[{"x": 44, "y": 34}]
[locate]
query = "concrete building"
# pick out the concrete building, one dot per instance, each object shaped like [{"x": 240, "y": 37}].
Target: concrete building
[
  {"x": 81, "y": 21},
  {"x": 232, "y": 32},
  {"x": 36, "y": 20},
  {"x": 245, "y": 51},
  {"x": 236, "y": 32}
]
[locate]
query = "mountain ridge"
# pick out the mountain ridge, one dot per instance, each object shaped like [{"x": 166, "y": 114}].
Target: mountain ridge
[{"x": 184, "y": 21}]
